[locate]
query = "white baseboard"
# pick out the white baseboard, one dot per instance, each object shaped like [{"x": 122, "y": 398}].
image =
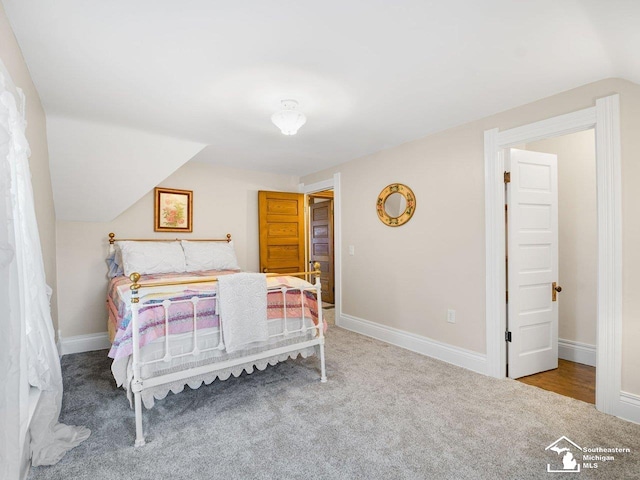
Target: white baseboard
[
  {"x": 25, "y": 464},
  {"x": 83, "y": 343},
  {"x": 577, "y": 352},
  {"x": 25, "y": 461},
  {"x": 629, "y": 407},
  {"x": 460, "y": 357}
]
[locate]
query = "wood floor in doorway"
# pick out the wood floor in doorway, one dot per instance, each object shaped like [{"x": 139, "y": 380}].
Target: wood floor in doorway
[{"x": 570, "y": 379}]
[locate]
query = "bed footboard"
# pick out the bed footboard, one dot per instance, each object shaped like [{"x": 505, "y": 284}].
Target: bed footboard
[{"x": 310, "y": 336}]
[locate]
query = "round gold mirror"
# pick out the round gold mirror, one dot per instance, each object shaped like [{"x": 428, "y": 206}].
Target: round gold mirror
[{"x": 396, "y": 204}]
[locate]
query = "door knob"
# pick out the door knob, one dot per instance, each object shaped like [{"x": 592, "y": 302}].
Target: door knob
[
  {"x": 555, "y": 289},
  {"x": 264, "y": 270}
]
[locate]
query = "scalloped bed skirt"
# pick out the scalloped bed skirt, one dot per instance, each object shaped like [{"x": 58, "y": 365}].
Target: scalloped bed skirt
[
  {"x": 123, "y": 371},
  {"x": 158, "y": 393}
]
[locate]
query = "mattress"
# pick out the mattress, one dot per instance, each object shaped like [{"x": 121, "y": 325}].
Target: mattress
[
  {"x": 163, "y": 355},
  {"x": 154, "y": 352}
]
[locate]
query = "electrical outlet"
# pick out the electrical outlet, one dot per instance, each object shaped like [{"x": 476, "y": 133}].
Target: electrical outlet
[{"x": 451, "y": 316}]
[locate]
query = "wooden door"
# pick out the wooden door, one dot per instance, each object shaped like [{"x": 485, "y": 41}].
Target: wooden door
[
  {"x": 282, "y": 235},
  {"x": 532, "y": 309},
  {"x": 321, "y": 248}
]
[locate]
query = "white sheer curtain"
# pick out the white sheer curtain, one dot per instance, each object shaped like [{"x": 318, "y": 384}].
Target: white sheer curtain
[
  {"x": 28, "y": 348},
  {"x": 12, "y": 358}
]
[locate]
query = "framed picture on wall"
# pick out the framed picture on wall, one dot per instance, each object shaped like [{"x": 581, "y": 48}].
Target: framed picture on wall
[{"x": 173, "y": 210}]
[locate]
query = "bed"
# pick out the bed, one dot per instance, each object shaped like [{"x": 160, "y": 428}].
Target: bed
[{"x": 182, "y": 313}]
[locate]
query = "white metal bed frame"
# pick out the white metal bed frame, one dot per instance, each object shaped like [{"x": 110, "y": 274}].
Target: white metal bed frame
[{"x": 139, "y": 384}]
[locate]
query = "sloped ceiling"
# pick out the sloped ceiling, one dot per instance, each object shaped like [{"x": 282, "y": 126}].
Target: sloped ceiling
[
  {"x": 369, "y": 74},
  {"x": 100, "y": 170}
]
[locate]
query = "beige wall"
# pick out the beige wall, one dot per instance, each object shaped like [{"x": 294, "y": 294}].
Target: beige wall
[
  {"x": 578, "y": 233},
  {"x": 225, "y": 200},
  {"x": 437, "y": 260},
  {"x": 39, "y": 162}
]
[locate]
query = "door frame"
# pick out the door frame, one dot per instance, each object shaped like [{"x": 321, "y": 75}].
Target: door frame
[
  {"x": 604, "y": 117},
  {"x": 332, "y": 183}
]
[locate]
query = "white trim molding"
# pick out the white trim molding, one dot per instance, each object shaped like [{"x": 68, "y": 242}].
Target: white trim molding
[
  {"x": 609, "y": 205},
  {"x": 553, "y": 127},
  {"x": 496, "y": 275},
  {"x": 605, "y": 118},
  {"x": 577, "y": 352},
  {"x": 460, "y": 357},
  {"x": 629, "y": 408},
  {"x": 83, "y": 343}
]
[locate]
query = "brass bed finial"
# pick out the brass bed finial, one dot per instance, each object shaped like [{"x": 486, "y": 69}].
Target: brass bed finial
[
  {"x": 135, "y": 286},
  {"x": 112, "y": 238},
  {"x": 228, "y": 237}
]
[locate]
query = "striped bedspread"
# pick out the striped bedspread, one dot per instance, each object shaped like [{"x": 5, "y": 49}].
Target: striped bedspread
[{"x": 151, "y": 315}]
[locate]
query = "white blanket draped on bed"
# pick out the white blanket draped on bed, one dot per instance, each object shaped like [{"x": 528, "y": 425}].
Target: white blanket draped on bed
[{"x": 242, "y": 306}]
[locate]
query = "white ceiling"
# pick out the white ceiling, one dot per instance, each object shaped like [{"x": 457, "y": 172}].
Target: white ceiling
[{"x": 369, "y": 74}]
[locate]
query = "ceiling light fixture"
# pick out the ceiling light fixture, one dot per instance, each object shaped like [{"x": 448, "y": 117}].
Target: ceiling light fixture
[{"x": 289, "y": 120}]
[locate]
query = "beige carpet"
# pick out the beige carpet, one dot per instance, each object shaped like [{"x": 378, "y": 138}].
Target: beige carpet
[
  {"x": 385, "y": 413},
  {"x": 329, "y": 316}
]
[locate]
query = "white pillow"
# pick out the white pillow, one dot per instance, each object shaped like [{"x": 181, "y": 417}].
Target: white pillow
[
  {"x": 210, "y": 256},
  {"x": 152, "y": 257}
]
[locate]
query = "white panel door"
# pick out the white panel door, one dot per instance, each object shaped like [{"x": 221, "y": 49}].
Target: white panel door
[{"x": 532, "y": 245}]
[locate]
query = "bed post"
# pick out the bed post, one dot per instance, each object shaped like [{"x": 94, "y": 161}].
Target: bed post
[
  {"x": 323, "y": 372},
  {"x": 136, "y": 382}
]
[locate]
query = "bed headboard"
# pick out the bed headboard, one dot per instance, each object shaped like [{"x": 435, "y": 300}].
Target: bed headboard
[{"x": 113, "y": 239}]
